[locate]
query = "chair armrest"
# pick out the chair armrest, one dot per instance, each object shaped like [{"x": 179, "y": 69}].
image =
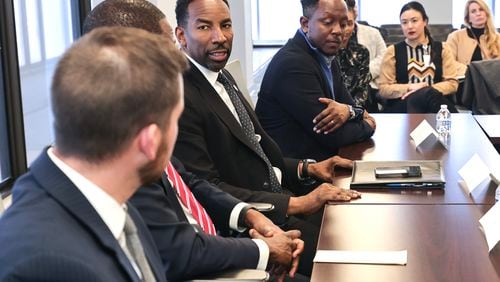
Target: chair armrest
[{"x": 240, "y": 275}]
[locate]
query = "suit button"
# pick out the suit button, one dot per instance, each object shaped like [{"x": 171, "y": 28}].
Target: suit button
[{"x": 265, "y": 185}]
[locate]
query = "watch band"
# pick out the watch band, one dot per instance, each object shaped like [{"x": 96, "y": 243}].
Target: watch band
[{"x": 305, "y": 171}]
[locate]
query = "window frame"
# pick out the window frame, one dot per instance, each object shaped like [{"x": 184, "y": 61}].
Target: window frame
[
  {"x": 12, "y": 90},
  {"x": 10, "y": 76}
]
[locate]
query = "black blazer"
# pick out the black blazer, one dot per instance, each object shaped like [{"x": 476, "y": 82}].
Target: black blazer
[
  {"x": 211, "y": 144},
  {"x": 288, "y": 102},
  {"x": 185, "y": 252},
  {"x": 52, "y": 233}
]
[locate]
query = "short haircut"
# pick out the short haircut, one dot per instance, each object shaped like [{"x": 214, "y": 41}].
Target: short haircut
[
  {"x": 109, "y": 85},
  {"x": 181, "y": 11},
  {"x": 308, "y": 7},
  {"x": 129, "y": 13},
  {"x": 351, "y": 4}
]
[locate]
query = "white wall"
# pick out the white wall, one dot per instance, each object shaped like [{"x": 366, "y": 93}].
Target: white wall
[
  {"x": 439, "y": 12},
  {"x": 168, "y": 8}
]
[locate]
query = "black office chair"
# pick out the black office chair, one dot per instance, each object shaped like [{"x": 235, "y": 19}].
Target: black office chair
[{"x": 481, "y": 91}]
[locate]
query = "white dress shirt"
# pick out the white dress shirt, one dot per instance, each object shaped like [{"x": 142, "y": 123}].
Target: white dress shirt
[{"x": 233, "y": 224}]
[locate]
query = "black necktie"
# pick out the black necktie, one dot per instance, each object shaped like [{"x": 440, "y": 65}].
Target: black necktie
[{"x": 249, "y": 130}]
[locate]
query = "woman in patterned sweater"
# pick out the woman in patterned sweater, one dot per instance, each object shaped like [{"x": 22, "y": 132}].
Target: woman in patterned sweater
[
  {"x": 417, "y": 73},
  {"x": 354, "y": 61}
]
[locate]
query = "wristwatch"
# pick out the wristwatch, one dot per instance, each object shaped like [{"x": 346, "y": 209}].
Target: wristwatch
[
  {"x": 355, "y": 112},
  {"x": 352, "y": 114},
  {"x": 305, "y": 172}
]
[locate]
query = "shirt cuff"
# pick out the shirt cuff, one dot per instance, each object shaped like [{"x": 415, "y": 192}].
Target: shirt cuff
[
  {"x": 235, "y": 215},
  {"x": 263, "y": 254}
]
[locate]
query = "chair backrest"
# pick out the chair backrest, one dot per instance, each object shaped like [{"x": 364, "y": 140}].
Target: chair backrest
[
  {"x": 395, "y": 33},
  {"x": 234, "y": 67},
  {"x": 440, "y": 31},
  {"x": 482, "y": 87}
]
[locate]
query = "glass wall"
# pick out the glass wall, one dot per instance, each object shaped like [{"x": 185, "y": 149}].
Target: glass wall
[
  {"x": 44, "y": 29},
  {"x": 275, "y": 21}
]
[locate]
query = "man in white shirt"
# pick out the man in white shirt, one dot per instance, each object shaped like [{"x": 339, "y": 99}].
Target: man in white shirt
[{"x": 69, "y": 219}]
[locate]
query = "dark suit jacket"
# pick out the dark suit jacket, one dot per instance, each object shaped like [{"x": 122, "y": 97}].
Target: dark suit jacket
[
  {"x": 52, "y": 233},
  {"x": 288, "y": 102},
  {"x": 211, "y": 144},
  {"x": 185, "y": 252}
]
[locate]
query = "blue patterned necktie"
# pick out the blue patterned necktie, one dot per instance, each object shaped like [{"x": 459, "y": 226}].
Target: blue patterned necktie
[{"x": 249, "y": 129}]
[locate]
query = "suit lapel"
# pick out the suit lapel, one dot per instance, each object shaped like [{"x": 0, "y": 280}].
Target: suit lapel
[
  {"x": 301, "y": 43},
  {"x": 58, "y": 185},
  {"x": 214, "y": 101}
]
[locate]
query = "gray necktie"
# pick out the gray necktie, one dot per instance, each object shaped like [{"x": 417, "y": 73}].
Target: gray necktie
[
  {"x": 136, "y": 251},
  {"x": 249, "y": 129}
]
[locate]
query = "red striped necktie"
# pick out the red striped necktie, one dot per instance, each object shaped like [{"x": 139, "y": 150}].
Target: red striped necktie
[{"x": 189, "y": 201}]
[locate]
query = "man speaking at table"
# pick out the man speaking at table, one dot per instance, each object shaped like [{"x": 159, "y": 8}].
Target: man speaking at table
[{"x": 221, "y": 140}]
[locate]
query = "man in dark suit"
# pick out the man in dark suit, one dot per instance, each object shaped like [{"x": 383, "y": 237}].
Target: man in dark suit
[
  {"x": 189, "y": 252},
  {"x": 301, "y": 79},
  {"x": 69, "y": 220},
  {"x": 221, "y": 140}
]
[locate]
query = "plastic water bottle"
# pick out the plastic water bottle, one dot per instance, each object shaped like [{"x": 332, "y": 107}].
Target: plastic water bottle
[{"x": 443, "y": 121}]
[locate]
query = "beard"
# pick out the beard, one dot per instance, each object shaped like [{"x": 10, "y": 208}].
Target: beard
[{"x": 152, "y": 171}]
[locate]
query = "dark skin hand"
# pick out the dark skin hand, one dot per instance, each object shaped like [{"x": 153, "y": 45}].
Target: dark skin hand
[
  {"x": 332, "y": 117},
  {"x": 284, "y": 251},
  {"x": 317, "y": 198},
  {"x": 325, "y": 170},
  {"x": 261, "y": 223}
]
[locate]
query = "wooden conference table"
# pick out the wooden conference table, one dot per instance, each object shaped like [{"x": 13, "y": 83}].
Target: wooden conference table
[
  {"x": 491, "y": 126},
  {"x": 392, "y": 141},
  {"x": 439, "y": 229}
]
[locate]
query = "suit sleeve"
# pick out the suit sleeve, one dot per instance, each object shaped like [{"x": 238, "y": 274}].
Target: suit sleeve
[
  {"x": 218, "y": 203},
  {"x": 51, "y": 267},
  {"x": 299, "y": 89},
  {"x": 184, "y": 252}
]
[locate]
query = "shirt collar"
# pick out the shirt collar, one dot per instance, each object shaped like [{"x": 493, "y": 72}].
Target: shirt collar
[
  {"x": 327, "y": 59},
  {"x": 211, "y": 76},
  {"x": 112, "y": 213}
]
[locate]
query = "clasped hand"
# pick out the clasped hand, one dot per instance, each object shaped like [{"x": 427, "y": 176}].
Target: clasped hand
[
  {"x": 284, "y": 251},
  {"x": 284, "y": 247}
]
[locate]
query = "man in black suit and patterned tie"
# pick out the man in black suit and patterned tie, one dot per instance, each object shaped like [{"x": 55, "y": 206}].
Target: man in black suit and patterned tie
[
  {"x": 69, "y": 219},
  {"x": 221, "y": 140},
  {"x": 186, "y": 214}
]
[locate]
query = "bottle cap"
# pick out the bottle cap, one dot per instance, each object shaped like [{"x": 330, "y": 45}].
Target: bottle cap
[{"x": 444, "y": 106}]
